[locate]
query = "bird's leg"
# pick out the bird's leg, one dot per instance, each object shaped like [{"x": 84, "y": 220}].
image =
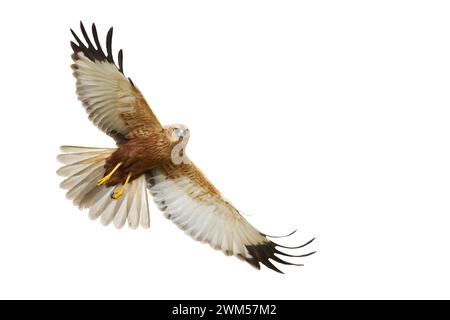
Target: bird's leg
[
  {"x": 119, "y": 193},
  {"x": 105, "y": 179}
]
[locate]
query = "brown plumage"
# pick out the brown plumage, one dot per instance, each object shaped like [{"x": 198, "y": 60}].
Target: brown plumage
[
  {"x": 113, "y": 183},
  {"x": 138, "y": 155}
]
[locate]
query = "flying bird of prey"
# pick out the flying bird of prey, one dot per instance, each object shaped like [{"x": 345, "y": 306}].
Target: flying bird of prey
[{"x": 113, "y": 183}]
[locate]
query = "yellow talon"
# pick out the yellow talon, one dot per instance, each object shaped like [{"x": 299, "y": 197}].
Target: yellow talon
[
  {"x": 119, "y": 193},
  {"x": 105, "y": 179}
]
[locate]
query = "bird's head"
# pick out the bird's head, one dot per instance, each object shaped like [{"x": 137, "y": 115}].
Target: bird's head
[{"x": 177, "y": 133}]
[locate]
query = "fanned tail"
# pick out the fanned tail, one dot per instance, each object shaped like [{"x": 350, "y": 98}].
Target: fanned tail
[{"x": 83, "y": 167}]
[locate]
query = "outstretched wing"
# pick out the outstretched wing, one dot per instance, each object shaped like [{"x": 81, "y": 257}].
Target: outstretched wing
[
  {"x": 187, "y": 198},
  {"x": 112, "y": 101}
]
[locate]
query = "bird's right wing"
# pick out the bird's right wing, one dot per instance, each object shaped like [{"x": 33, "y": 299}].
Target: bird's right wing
[
  {"x": 187, "y": 198},
  {"x": 112, "y": 101}
]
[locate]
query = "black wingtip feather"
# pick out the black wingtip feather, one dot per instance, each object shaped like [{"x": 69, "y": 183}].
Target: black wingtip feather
[
  {"x": 109, "y": 45},
  {"x": 261, "y": 254},
  {"x": 121, "y": 61},
  {"x": 297, "y": 247},
  {"x": 294, "y": 255},
  {"x": 75, "y": 48},
  {"x": 96, "y": 53},
  {"x": 285, "y": 236},
  {"x": 265, "y": 252},
  {"x": 97, "y": 42},
  {"x": 86, "y": 37},
  {"x": 279, "y": 260},
  {"x": 80, "y": 43}
]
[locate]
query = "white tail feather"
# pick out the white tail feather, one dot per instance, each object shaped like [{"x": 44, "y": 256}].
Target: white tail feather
[{"x": 83, "y": 167}]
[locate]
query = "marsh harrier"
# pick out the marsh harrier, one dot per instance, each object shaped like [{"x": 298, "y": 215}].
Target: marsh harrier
[{"x": 113, "y": 183}]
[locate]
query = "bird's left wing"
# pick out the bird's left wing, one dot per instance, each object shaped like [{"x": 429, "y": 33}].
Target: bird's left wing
[
  {"x": 187, "y": 198},
  {"x": 112, "y": 100}
]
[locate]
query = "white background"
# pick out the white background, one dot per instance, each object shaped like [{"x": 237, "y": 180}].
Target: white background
[{"x": 327, "y": 116}]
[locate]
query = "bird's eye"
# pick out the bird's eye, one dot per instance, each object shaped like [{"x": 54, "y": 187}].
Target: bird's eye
[{"x": 179, "y": 132}]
